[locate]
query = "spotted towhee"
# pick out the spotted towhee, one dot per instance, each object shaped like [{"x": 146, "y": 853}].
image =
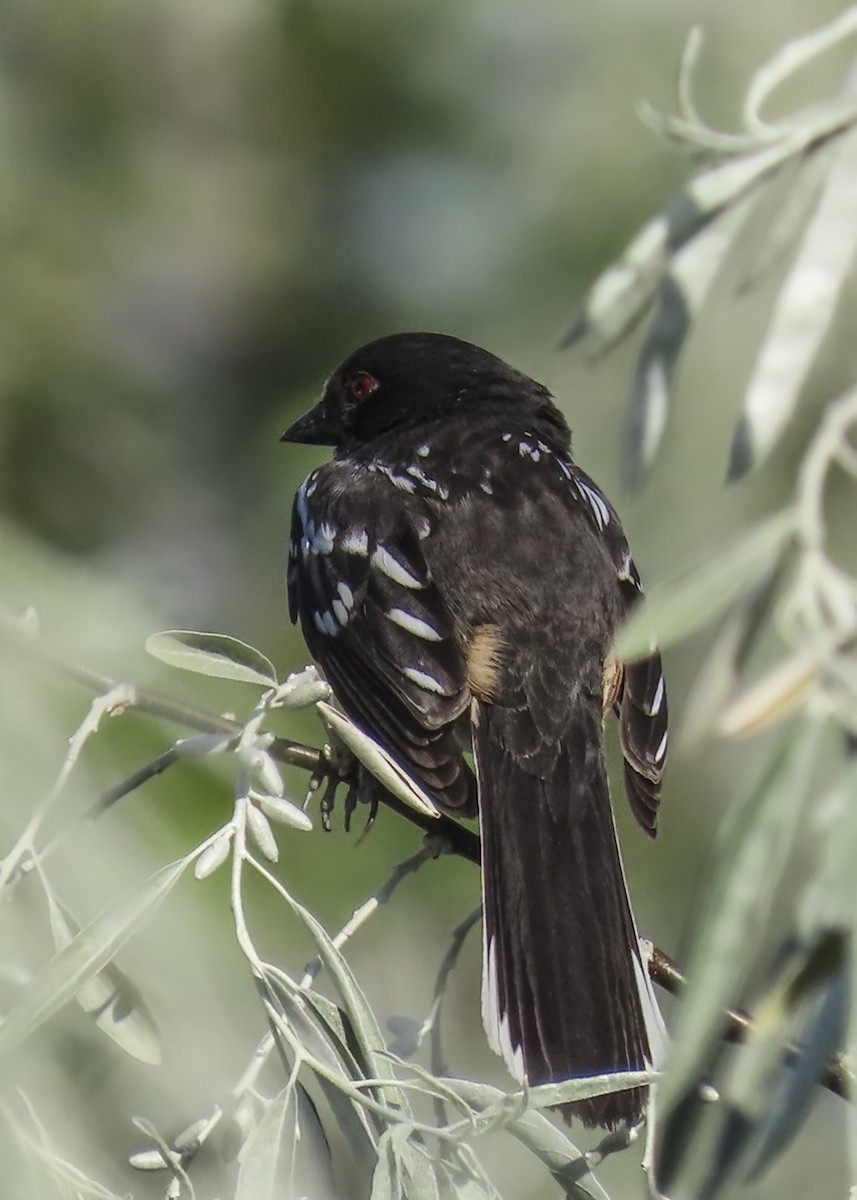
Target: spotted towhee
[{"x": 460, "y": 581}]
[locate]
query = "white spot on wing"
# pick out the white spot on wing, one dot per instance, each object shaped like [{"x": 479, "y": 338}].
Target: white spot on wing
[
  {"x": 340, "y": 611},
  {"x": 393, "y": 569},
  {"x": 662, "y": 748},
  {"x": 414, "y": 625},
  {"x": 345, "y": 593},
  {"x": 356, "y": 541},
  {"x": 423, "y": 450},
  {"x": 326, "y": 623},
  {"x": 596, "y": 503},
  {"x": 400, "y": 481},
  {"x": 422, "y": 679},
  {"x": 301, "y": 502},
  {"x": 658, "y": 698},
  {"x": 626, "y": 569},
  {"x": 319, "y": 538},
  {"x": 419, "y": 474}
]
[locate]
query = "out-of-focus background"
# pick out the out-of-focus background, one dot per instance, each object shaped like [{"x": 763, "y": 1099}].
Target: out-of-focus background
[{"x": 203, "y": 207}]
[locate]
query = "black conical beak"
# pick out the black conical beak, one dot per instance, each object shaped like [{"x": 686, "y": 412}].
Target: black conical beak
[{"x": 314, "y": 428}]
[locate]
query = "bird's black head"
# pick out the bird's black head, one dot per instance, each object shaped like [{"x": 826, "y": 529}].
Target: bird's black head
[{"x": 409, "y": 379}]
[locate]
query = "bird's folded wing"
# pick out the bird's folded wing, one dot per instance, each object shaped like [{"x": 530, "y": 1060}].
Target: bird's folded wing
[
  {"x": 641, "y": 702},
  {"x": 375, "y": 621}
]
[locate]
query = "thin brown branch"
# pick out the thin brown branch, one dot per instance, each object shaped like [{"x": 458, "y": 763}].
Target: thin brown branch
[
  {"x": 453, "y": 838},
  {"x": 665, "y": 973}
]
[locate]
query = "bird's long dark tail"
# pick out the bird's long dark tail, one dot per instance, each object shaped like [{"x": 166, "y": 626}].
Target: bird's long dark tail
[{"x": 564, "y": 990}]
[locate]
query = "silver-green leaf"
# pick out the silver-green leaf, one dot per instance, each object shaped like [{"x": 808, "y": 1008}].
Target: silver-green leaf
[
  {"x": 541, "y": 1137},
  {"x": 751, "y": 853},
  {"x": 803, "y": 313},
  {"x": 677, "y": 608},
  {"x": 368, "y": 1039},
  {"x": 681, "y": 296},
  {"x": 86, "y": 954},
  {"x": 111, "y": 999},
  {"x": 376, "y": 760},
  {"x": 281, "y": 810},
  {"x": 267, "y": 1158},
  {"x": 214, "y": 654}
]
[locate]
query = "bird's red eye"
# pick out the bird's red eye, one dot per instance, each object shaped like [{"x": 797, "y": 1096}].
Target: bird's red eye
[{"x": 362, "y": 385}]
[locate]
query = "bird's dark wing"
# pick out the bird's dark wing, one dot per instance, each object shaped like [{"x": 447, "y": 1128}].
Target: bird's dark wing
[
  {"x": 377, "y": 624},
  {"x": 641, "y": 700}
]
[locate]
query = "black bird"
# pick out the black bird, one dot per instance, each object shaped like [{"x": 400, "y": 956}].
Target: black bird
[{"x": 453, "y": 569}]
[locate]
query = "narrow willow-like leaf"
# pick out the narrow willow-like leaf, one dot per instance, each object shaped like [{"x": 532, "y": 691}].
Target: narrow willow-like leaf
[
  {"x": 50, "y": 1174},
  {"x": 111, "y": 999},
  {"x": 832, "y": 901},
  {"x": 376, "y": 760},
  {"x": 748, "y": 1092},
  {"x": 541, "y": 1137},
  {"x": 681, "y": 296},
  {"x": 674, "y": 609},
  {"x": 750, "y": 856},
  {"x": 847, "y": 878},
  {"x": 315, "y": 1173},
  {"x": 776, "y": 239},
  {"x": 87, "y": 954},
  {"x": 420, "y": 1170},
  {"x": 769, "y": 699},
  {"x": 386, "y": 1179},
  {"x": 769, "y": 1090},
  {"x": 548, "y": 1095},
  {"x": 404, "y": 1171},
  {"x": 624, "y": 291},
  {"x": 360, "y": 1013},
  {"x": 267, "y": 1158},
  {"x": 319, "y": 1025},
  {"x": 788, "y": 1102},
  {"x": 728, "y": 182},
  {"x": 214, "y": 654},
  {"x": 803, "y": 313},
  {"x": 458, "y": 1186},
  {"x": 369, "y": 1041},
  {"x": 716, "y": 680}
]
